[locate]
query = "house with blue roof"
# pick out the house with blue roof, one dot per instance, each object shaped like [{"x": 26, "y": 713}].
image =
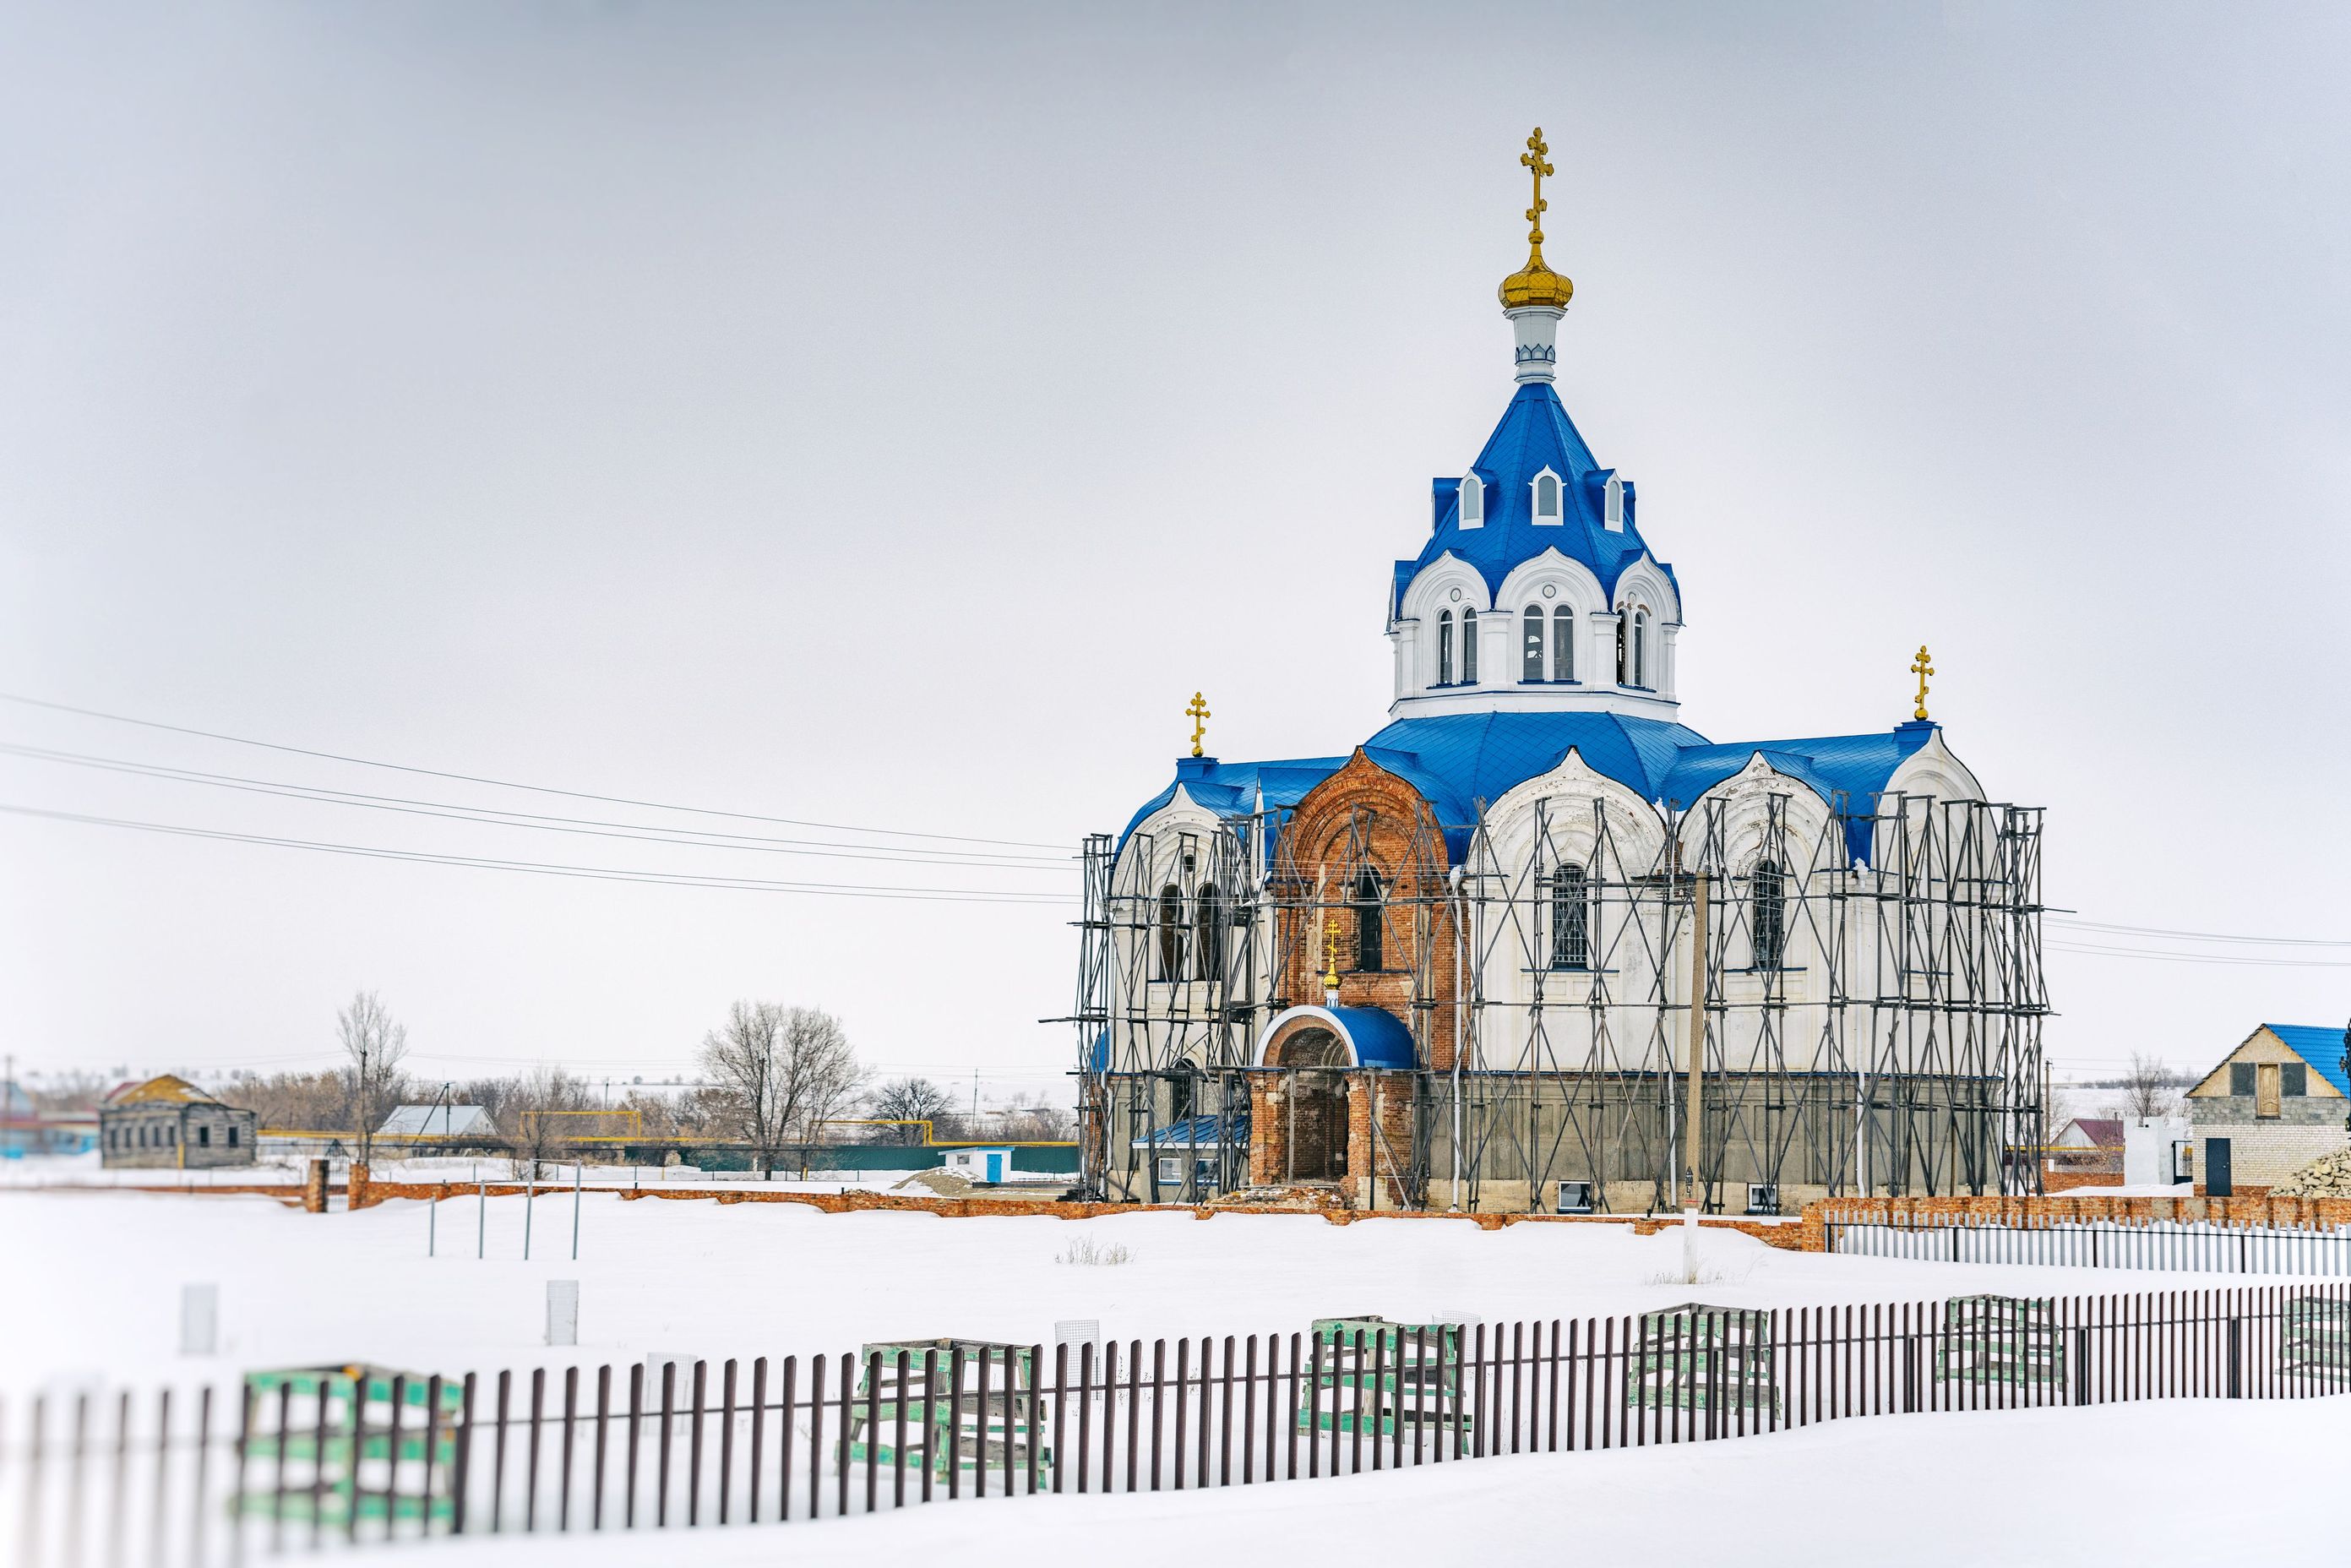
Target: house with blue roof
[
  {"x": 2277, "y": 1101},
  {"x": 1455, "y": 966}
]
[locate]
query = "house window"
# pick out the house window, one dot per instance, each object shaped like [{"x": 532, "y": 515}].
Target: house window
[
  {"x": 1171, "y": 1170},
  {"x": 232, "y": 1137},
  {"x": 1171, "y": 933},
  {"x": 1571, "y": 920},
  {"x": 1445, "y": 647},
  {"x": 2241, "y": 1078},
  {"x": 1530, "y": 653},
  {"x": 1640, "y": 647},
  {"x": 1209, "y": 932},
  {"x": 1562, "y": 643},
  {"x": 204, "y": 1137},
  {"x": 1469, "y": 647},
  {"x": 1769, "y": 886},
  {"x": 1368, "y": 914},
  {"x": 1473, "y": 502},
  {"x": 2293, "y": 1079},
  {"x": 1546, "y": 497}
]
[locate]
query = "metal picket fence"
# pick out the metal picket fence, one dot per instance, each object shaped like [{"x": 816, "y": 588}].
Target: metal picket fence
[
  {"x": 2181, "y": 1246},
  {"x": 339, "y": 1458}
]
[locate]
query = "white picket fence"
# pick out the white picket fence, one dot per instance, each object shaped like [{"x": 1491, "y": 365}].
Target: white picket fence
[{"x": 2186, "y": 1246}]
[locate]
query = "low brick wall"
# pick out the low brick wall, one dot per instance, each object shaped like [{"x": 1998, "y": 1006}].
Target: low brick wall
[{"x": 2297, "y": 1212}]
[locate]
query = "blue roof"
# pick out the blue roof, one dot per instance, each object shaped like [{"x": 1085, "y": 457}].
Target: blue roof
[
  {"x": 1197, "y": 1133},
  {"x": 1379, "y": 1037},
  {"x": 1535, "y": 433},
  {"x": 1456, "y": 760},
  {"x": 2320, "y": 1046},
  {"x": 1230, "y": 789}
]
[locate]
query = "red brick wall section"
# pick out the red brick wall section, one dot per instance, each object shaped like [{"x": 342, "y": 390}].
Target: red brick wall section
[
  {"x": 2298, "y": 1212},
  {"x": 1373, "y": 1161}
]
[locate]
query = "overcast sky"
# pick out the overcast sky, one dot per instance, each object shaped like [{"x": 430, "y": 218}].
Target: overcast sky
[{"x": 888, "y": 416}]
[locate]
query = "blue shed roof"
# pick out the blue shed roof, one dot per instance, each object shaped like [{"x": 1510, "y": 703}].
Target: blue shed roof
[
  {"x": 1230, "y": 789},
  {"x": 2319, "y": 1045},
  {"x": 1535, "y": 433},
  {"x": 1197, "y": 1133}
]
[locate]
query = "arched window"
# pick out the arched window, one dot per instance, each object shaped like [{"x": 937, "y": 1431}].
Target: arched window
[
  {"x": 1531, "y": 650},
  {"x": 1369, "y": 914},
  {"x": 1209, "y": 932},
  {"x": 1171, "y": 933},
  {"x": 1445, "y": 647},
  {"x": 1640, "y": 647},
  {"x": 1562, "y": 643},
  {"x": 1571, "y": 920},
  {"x": 1624, "y": 662},
  {"x": 1769, "y": 888},
  {"x": 1546, "y": 497},
  {"x": 1469, "y": 647},
  {"x": 1613, "y": 505},
  {"x": 1473, "y": 502}
]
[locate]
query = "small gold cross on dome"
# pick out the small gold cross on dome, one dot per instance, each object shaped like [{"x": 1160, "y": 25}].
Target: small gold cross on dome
[
  {"x": 1922, "y": 667},
  {"x": 1198, "y": 714},
  {"x": 1532, "y": 159}
]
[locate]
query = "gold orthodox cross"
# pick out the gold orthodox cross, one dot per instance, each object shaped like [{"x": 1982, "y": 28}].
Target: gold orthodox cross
[
  {"x": 1922, "y": 668},
  {"x": 1532, "y": 159},
  {"x": 1198, "y": 714},
  {"x": 1330, "y": 956}
]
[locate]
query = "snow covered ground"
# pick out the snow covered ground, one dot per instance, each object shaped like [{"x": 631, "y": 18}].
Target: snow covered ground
[
  {"x": 95, "y": 1279},
  {"x": 2081, "y": 1489}
]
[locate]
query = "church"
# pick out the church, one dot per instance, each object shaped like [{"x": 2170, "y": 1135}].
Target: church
[{"x": 1536, "y": 944}]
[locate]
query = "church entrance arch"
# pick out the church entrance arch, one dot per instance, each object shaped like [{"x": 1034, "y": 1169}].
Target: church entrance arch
[{"x": 1316, "y": 1114}]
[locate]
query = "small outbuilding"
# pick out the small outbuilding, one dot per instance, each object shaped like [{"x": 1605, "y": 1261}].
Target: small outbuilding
[
  {"x": 438, "y": 1122},
  {"x": 169, "y": 1124},
  {"x": 2271, "y": 1106}
]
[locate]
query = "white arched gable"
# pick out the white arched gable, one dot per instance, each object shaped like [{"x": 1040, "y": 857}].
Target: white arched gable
[
  {"x": 1161, "y": 837},
  {"x": 1933, "y": 770},
  {"x": 1559, "y": 805},
  {"x": 1745, "y": 800},
  {"x": 1434, "y": 590},
  {"x": 1643, "y": 584},
  {"x": 1571, "y": 583}
]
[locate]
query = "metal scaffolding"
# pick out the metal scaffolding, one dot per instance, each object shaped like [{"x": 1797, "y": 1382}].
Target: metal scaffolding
[{"x": 1872, "y": 983}]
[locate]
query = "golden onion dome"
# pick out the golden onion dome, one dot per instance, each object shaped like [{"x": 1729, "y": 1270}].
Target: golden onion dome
[{"x": 1535, "y": 283}]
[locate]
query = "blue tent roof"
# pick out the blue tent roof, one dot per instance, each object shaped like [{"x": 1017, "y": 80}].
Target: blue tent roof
[
  {"x": 1535, "y": 433},
  {"x": 2320, "y": 1046}
]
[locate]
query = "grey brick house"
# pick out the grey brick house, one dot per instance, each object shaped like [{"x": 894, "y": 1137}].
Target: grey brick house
[{"x": 2271, "y": 1106}]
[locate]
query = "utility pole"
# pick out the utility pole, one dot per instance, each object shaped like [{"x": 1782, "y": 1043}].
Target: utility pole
[{"x": 1693, "y": 1195}]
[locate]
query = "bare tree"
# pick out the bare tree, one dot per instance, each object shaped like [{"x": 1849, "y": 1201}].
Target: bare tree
[
  {"x": 786, "y": 1071},
  {"x": 2150, "y": 1089},
  {"x": 374, "y": 1046},
  {"x": 1032, "y": 1118},
  {"x": 539, "y": 1130},
  {"x": 913, "y": 1099}
]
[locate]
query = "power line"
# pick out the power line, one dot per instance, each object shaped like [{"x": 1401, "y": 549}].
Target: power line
[
  {"x": 586, "y": 826},
  {"x": 538, "y": 868},
  {"x": 2200, "y": 936},
  {"x": 2203, "y": 958},
  {"x": 511, "y": 784}
]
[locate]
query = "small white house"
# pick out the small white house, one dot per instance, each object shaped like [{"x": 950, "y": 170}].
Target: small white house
[
  {"x": 438, "y": 1122},
  {"x": 980, "y": 1164}
]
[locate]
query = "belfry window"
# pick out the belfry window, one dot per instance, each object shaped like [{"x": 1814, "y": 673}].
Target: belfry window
[
  {"x": 1445, "y": 647},
  {"x": 1571, "y": 920},
  {"x": 1473, "y": 502},
  {"x": 1623, "y": 664},
  {"x": 1640, "y": 647},
  {"x": 1546, "y": 497},
  {"x": 1768, "y": 890},
  {"x": 1469, "y": 647},
  {"x": 1562, "y": 643},
  {"x": 1613, "y": 503},
  {"x": 1369, "y": 914},
  {"x": 1531, "y": 656},
  {"x": 1209, "y": 932},
  {"x": 1171, "y": 933}
]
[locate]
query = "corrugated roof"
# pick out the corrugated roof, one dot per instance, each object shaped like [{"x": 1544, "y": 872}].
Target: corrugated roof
[
  {"x": 1196, "y": 1132},
  {"x": 2321, "y": 1045},
  {"x": 438, "y": 1121},
  {"x": 1535, "y": 433},
  {"x": 166, "y": 1090}
]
